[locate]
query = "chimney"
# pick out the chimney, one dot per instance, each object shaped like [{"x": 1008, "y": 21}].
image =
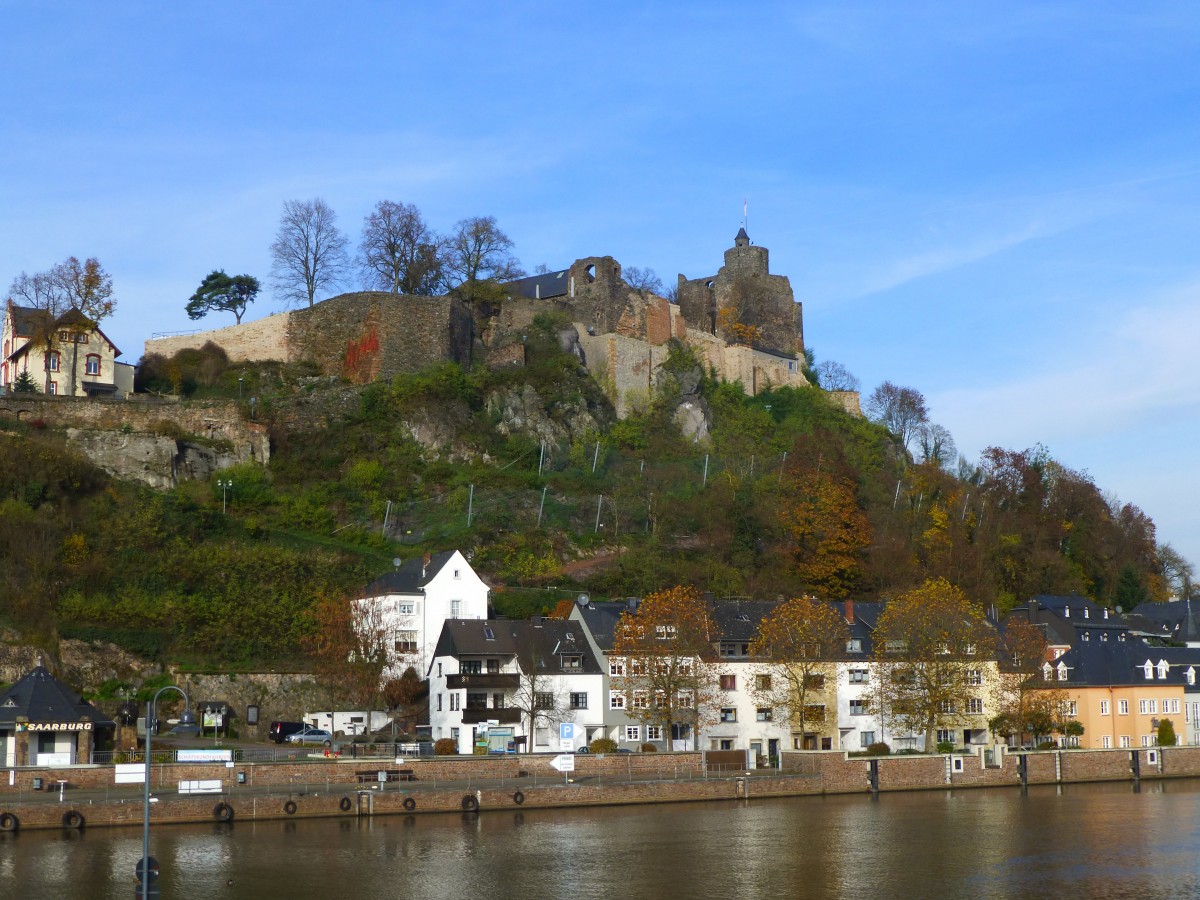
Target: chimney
[
  {"x": 425, "y": 562},
  {"x": 1033, "y": 610},
  {"x": 850, "y": 611}
]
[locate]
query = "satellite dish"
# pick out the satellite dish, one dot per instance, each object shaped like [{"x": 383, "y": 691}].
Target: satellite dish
[
  {"x": 396, "y": 562},
  {"x": 583, "y": 599}
]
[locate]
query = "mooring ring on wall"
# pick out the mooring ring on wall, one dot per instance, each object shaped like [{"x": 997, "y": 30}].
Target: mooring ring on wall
[
  {"x": 470, "y": 803},
  {"x": 518, "y": 798},
  {"x": 344, "y": 804},
  {"x": 410, "y": 804},
  {"x": 72, "y": 819},
  {"x": 9, "y": 822},
  {"x": 290, "y": 807},
  {"x": 223, "y": 812}
]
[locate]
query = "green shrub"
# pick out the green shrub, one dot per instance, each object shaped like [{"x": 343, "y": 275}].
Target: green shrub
[
  {"x": 945, "y": 747},
  {"x": 602, "y": 745},
  {"x": 879, "y": 748}
]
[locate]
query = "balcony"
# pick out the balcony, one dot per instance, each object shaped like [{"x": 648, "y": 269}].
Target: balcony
[
  {"x": 484, "y": 681},
  {"x": 505, "y": 716}
]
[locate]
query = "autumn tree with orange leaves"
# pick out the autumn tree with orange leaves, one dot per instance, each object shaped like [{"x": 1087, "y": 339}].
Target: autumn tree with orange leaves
[
  {"x": 932, "y": 647},
  {"x": 798, "y": 643},
  {"x": 663, "y": 665},
  {"x": 1027, "y": 706},
  {"x": 351, "y": 646},
  {"x": 829, "y": 532}
]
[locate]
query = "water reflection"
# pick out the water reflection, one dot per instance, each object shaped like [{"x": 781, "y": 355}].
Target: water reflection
[{"x": 1099, "y": 840}]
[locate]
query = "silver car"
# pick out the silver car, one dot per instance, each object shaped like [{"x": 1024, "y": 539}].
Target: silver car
[{"x": 310, "y": 735}]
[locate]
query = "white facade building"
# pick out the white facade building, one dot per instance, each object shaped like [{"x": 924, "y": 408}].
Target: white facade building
[
  {"x": 415, "y": 600},
  {"x": 488, "y": 676}
]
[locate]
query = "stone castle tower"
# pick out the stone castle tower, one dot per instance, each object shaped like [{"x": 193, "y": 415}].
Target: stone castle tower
[{"x": 750, "y": 295}]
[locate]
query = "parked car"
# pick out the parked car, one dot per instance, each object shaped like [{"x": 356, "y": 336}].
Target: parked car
[
  {"x": 310, "y": 735},
  {"x": 280, "y": 730}
]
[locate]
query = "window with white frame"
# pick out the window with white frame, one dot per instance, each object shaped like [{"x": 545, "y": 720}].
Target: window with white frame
[
  {"x": 665, "y": 632},
  {"x": 1147, "y": 741},
  {"x": 52, "y": 362},
  {"x": 1170, "y": 706},
  {"x": 654, "y": 732},
  {"x": 1062, "y": 672},
  {"x": 947, "y": 707},
  {"x": 859, "y": 676},
  {"x": 1104, "y": 707},
  {"x": 1106, "y": 742},
  {"x": 456, "y": 609},
  {"x": 1125, "y": 742},
  {"x": 854, "y": 645},
  {"x": 405, "y": 608},
  {"x": 1148, "y": 670},
  {"x": 660, "y": 700},
  {"x": 92, "y": 366},
  {"x": 866, "y": 738},
  {"x": 1162, "y": 670},
  {"x": 616, "y": 666},
  {"x": 858, "y": 707},
  {"x": 683, "y": 700},
  {"x": 1123, "y": 707},
  {"x": 439, "y": 702},
  {"x": 405, "y": 642},
  {"x": 764, "y": 714},
  {"x": 974, "y": 706},
  {"x": 616, "y": 700},
  {"x": 1070, "y": 708},
  {"x": 945, "y": 736},
  {"x": 974, "y": 676},
  {"x": 641, "y": 700},
  {"x": 633, "y": 732},
  {"x": 455, "y": 701}
]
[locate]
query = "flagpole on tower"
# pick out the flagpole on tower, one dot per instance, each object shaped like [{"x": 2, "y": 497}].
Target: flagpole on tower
[{"x": 746, "y": 215}]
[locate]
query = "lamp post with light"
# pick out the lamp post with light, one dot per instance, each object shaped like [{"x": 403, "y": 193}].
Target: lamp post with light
[
  {"x": 226, "y": 485},
  {"x": 186, "y": 719}
]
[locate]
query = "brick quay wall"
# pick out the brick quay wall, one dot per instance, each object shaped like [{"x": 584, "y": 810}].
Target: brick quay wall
[{"x": 316, "y": 788}]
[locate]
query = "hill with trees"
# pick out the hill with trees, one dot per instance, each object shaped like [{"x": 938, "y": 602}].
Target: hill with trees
[{"x": 529, "y": 469}]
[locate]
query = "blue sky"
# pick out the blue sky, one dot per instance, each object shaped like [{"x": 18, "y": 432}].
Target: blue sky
[{"x": 995, "y": 203}]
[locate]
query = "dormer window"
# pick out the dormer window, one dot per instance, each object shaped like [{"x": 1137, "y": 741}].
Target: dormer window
[
  {"x": 1047, "y": 671},
  {"x": 1086, "y": 613},
  {"x": 1106, "y": 613},
  {"x": 1163, "y": 668},
  {"x": 1191, "y": 675},
  {"x": 572, "y": 662},
  {"x": 854, "y": 645},
  {"x": 1067, "y": 612},
  {"x": 1148, "y": 670},
  {"x": 1120, "y": 636},
  {"x": 1104, "y": 636},
  {"x": 1085, "y": 636},
  {"x": 1062, "y": 672}
]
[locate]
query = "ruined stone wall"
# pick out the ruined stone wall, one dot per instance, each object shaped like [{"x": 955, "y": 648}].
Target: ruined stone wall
[
  {"x": 624, "y": 366},
  {"x": 257, "y": 341},
  {"x": 370, "y": 335}
]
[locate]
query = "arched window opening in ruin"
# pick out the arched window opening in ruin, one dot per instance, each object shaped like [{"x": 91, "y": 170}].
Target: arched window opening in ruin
[{"x": 590, "y": 271}]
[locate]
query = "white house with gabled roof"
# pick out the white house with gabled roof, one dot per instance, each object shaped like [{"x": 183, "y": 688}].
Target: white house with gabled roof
[{"x": 417, "y": 598}]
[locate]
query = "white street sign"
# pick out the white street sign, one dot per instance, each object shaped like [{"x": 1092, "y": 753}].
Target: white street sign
[
  {"x": 130, "y": 773},
  {"x": 564, "y": 762}
]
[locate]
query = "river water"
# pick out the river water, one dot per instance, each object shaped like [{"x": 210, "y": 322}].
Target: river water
[{"x": 1085, "y": 841}]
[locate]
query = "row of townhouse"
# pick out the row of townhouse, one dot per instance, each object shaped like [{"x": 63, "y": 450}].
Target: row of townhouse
[{"x": 1118, "y": 675}]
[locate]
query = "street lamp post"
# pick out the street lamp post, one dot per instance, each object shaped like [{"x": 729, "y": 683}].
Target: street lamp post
[
  {"x": 186, "y": 719},
  {"x": 226, "y": 485}
]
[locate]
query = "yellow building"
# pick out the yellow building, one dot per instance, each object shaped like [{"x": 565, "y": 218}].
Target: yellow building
[
  {"x": 1120, "y": 691},
  {"x": 68, "y": 355}
]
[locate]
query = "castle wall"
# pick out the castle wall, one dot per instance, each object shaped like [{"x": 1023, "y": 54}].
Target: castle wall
[
  {"x": 624, "y": 366},
  {"x": 256, "y": 341}
]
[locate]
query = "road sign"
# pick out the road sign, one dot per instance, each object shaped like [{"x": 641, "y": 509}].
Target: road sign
[
  {"x": 566, "y": 736},
  {"x": 153, "y": 869},
  {"x": 129, "y": 773},
  {"x": 564, "y": 762}
]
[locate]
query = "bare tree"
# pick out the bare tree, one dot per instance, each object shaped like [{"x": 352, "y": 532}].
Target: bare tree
[
  {"x": 1178, "y": 572},
  {"x": 644, "y": 281},
  {"x": 477, "y": 252},
  {"x": 936, "y": 444},
  {"x": 39, "y": 291},
  {"x": 833, "y": 376},
  {"x": 899, "y": 409},
  {"x": 309, "y": 252},
  {"x": 399, "y": 252}
]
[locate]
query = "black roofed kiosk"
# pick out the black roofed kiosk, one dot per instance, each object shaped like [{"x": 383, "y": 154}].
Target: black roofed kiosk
[{"x": 45, "y": 723}]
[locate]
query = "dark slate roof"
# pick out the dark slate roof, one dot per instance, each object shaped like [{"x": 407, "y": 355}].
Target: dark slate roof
[
  {"x": 738, "y": 620},
  {"x": 410, "y": 578},
  {"x": 544, "y": 286},
  {"x": 601, "y": 617},
  {"x": 25, "y": 319},
  {"x": 74, "y": 317},
  {"x": 40, "y": 697},
  {"x": 546, "y": 640},
  {"x": 1112, "y": 663},
  {"x": 1176, "y": 620},
  {"x": 1063, "y": 616},
  {"x": 741, "y": 236}
]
